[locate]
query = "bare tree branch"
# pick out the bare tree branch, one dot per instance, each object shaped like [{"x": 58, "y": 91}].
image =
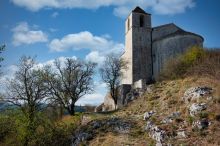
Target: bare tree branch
[
  {"x": 111, "y": 73},
  {"x": 69, "y": 82}
]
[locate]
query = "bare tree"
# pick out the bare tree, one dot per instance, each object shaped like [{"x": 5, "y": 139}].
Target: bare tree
[
  {"x": 27, "y": 91},
  {"x": 111, "y": 73},
  {"x": 2, "y": 48},
  {"x": 70, "y": 81}
]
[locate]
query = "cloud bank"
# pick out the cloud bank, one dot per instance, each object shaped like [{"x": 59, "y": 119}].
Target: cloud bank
[{"x": 121, "y": 7}]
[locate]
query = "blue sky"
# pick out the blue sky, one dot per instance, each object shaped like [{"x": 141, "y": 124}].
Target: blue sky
[{"x": 89, "y": 29}]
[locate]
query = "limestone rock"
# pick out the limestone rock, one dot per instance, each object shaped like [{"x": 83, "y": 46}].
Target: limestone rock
[
  {"x": 147, "y": 115},
  {"x": 155, "y": 132},
  {"x": 171, "y": 117},
  {"x": 133, "y": 94},
  {"x": 181, "y": 134},
  {"x": 81, "y": 137},
  {"x": 201, "y": 124},
  {"x": 195, "y": 93},
  {"x": 195, "y": 108},
  {"x": 87, "y": 132}
]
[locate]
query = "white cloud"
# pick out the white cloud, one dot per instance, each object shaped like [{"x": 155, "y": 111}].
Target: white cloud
[
  {"x": 98, "y": 45},
  {"x": 95, "y": 98},
  {"x": 95, "y": 57},
  {"x": 122, "y": 11},
  {"x": 51, "y": 62},
  {"x": 92, "y": 99},
  {"x": 84, "y": 40},
  {"x": 8, "y": 74},
  {"x": 121, "y": 7},
  {"x": 173, "y": 6},
  {"x": 54, "y": 14},
  {"x": 23, "y": 35}
]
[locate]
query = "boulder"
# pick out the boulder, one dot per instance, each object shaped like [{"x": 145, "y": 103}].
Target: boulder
[
  {"x": 147, "y": 115},
  {"x": 195, "y": 93},
  {"x": 195, "y": 108}
]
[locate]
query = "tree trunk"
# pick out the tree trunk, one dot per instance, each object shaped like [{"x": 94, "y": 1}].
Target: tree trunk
[{"x": 72, "y": 110}]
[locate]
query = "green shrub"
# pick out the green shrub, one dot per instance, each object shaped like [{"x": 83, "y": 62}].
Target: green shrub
[
  {"x": 7, "y": 127},
  {"x": 14, "y": 130},
  {"x": 195, "y": 61},
  {"x": 193, "y": 54}
]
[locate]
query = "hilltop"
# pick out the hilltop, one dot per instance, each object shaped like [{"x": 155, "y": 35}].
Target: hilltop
[{"x": 183, "y": 111}]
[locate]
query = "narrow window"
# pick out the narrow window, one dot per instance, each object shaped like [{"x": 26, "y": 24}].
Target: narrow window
[
  {"x": 128, "y": 24},
  {"x": 141, "y": 21}
]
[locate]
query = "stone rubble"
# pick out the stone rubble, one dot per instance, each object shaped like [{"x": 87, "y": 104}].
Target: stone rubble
[{"x": 195, "y": 108}]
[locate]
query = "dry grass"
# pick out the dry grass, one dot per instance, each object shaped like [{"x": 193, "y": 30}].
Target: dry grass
[{"x": 165, "y": 99}]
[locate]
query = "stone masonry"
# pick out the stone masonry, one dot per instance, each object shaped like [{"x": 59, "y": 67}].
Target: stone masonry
[{"x": 147, "y": 48}]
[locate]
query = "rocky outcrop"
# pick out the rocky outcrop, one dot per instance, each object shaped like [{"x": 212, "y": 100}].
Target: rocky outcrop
[
  {"x": 195, "y": 108},
  {"x": 89, "y": 131},
  {"x": 155, "y": 132},
  {"x": 195, "y": 93}
]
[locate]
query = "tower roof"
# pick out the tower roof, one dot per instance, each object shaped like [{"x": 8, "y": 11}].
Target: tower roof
[{"x": 139, "y": 10}]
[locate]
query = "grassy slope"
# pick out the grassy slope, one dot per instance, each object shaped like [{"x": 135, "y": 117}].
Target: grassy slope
[{"x": 165, "y": 99}]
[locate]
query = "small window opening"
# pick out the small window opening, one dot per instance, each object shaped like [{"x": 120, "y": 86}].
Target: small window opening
[
  {"x": 128, "y": 24},
  {"x": 141, "y": 21}
]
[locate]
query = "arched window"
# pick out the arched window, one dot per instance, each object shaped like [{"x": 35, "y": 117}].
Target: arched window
[{"x": 141, "y": 21}]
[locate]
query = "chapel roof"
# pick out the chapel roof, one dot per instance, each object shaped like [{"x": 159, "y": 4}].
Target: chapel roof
[{"x": 178, "y": 31}]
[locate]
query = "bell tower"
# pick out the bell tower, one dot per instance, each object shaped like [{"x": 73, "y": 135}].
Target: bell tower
[{"x": 138, "y": 48}]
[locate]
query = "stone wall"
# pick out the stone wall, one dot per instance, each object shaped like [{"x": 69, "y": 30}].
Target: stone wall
[
  {"x": 142, "y": 67},
  {"x": 137, "y": 49},
  {"x": 164, "y": 30},
  {"x": 127, "y": 56},
  {"x": 171, "y": 47},
  {"x": 124, "y": 89}
]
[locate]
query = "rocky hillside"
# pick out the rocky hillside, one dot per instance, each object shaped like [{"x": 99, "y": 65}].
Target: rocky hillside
[{"x": 178, "y": 112}]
